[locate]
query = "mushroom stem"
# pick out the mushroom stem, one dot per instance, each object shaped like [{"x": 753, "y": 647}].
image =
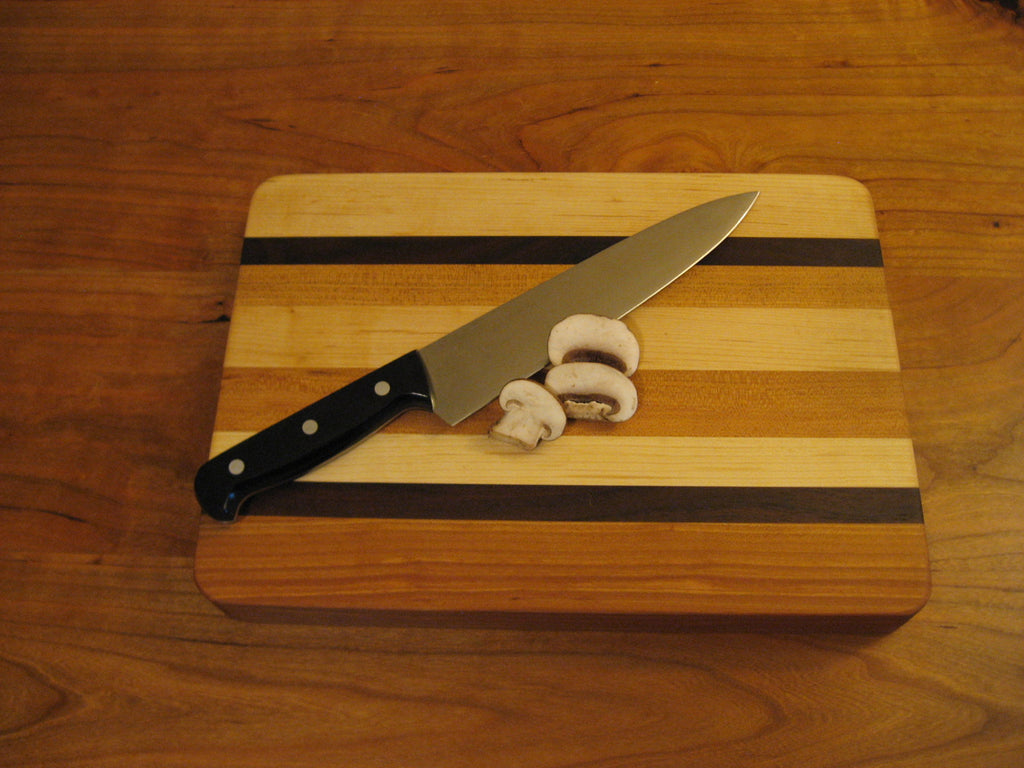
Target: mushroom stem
[
  {"x": 521, "y": 428},
  {"x": 532, "y": 414}
]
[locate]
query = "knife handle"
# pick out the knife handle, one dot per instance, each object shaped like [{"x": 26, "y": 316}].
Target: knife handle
[{"x": 306, "y": 439}]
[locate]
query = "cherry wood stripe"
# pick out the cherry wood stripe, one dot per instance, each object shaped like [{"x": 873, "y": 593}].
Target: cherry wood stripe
[
  {"x": 672, "y": 338},
  {"x": 566, "y": 567},
  {"x": 593, "y": 503},
  {"x": 569, "y": 249},
  {"x": 696, "y": 403},
  {"x": 447, "y": 284}
]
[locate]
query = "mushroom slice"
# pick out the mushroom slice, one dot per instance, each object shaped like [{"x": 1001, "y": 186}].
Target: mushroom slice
[
  {"x": 532, "y": 414},
  {"x": 594, "y": 339},
  {"x": 593, "y": 391}
]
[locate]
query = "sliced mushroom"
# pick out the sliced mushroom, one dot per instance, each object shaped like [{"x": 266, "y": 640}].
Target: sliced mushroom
[
  {"x": 593, "y": 391},
  {"x": 532, "y": 414},
  {"x": 594, "y": 339}
]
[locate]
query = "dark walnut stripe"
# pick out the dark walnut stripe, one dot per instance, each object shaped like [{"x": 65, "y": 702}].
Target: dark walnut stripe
[
  {"x": 653, "y": 504},
  {"x": 736, "y": 251}
]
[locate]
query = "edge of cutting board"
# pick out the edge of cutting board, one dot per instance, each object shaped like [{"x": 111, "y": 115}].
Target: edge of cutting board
[{"x": 711, "y": 573}]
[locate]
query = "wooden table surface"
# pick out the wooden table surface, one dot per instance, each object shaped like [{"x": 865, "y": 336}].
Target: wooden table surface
[{"x": 132, "y": 135}]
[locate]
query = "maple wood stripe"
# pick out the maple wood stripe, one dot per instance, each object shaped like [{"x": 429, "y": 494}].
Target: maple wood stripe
[
  {"x": 590, "y": 503},
  {"x": 679, "y": 338},
  {"x": 568, "y": 249},
  {"x": 447, "y": 284},
  {"x": 542, "y": 204},
  {"x": 695, "y": 403},
  {"x": 611, "y": 460}
]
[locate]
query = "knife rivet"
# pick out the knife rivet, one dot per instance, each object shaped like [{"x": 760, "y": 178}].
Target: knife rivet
[
  {"x": 309, "y": 427},
  {"x": 381, "y": 388},
  {"x": 236, "y": 467}
]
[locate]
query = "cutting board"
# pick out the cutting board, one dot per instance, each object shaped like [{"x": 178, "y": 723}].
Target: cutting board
[{"x": 767, "y": 480}]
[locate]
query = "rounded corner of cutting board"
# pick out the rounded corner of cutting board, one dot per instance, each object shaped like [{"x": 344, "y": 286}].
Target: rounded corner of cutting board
[
  {"x": 273, "y": 192},
  {"x": 858, "y": 189},
  {"x": 917, "y": 601},
  {"x": 270, "y": 185}
]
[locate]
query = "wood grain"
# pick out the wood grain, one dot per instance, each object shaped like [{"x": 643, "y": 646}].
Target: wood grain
[
  {"x": 665, "y": 467},
  {"x": 677, "y": 572},
  {"x": 773, "y": 339},
  {"x": 443, "y": 285},
  {"x": 597, "y": 459},
  {"x": 696, "y": 402},
  {"x": 290, "y": 206},
  {"x": 133, "y": 135}
]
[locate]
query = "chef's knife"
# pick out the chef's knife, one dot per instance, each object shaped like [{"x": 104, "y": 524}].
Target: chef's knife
[{"x": 460, "y": 373}]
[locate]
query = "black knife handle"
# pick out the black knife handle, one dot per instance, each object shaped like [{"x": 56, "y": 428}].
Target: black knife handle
[{"x": 312, "y": 436}]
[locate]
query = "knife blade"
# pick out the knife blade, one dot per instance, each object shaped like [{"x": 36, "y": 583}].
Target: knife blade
[{"x": 464, "y": 370}]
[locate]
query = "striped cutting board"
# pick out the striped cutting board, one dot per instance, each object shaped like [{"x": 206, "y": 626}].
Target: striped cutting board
[{"x": 768, "y": 478}]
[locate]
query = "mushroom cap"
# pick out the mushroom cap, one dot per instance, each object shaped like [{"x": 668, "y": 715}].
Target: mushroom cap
[
  {"x": 593, "y": 391},
  {"x": 594, "y": 339},
  {"x": 532, "y": 414}
]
